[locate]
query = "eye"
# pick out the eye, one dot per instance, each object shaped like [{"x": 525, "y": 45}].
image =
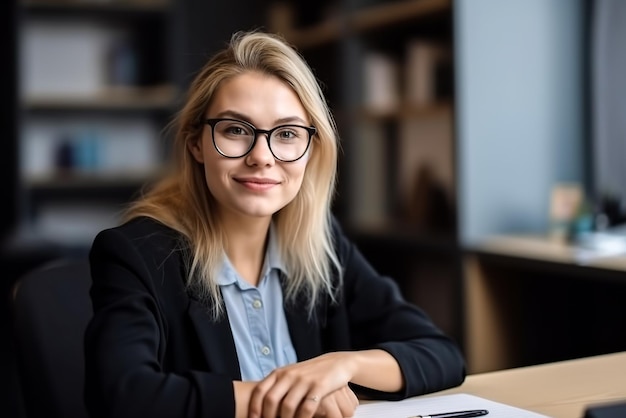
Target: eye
[
  {"x": 231, "y": 128},
  {"x": 289, "y": 132},
  {"x": 236, "y": 130}
]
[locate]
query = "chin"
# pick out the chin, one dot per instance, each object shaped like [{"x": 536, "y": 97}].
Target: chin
[
  {"x": 258, "y": 212},
  {"x": 259, "y": 209}
]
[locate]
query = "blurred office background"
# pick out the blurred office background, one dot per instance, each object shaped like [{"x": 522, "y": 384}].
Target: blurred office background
[{"x": 459, "y": 120}]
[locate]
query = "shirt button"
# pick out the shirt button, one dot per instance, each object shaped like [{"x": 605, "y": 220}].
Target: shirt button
[
  {"x": 265, "y": 350},
  {"x": 257, "y": 304}
]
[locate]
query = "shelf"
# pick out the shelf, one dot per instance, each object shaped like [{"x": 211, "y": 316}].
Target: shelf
[
  {"x": 79, "y": 190},
  {"x": 391, "y": 13},
  {"x": 542, "y": 249},
  {"x": 364, "y": 20},
  {"x": 80, "y": 180},
  {"x": 407, "y": 112},
  {"x": 318, "y": 35},
  {"x": 123, "y": 8},
  {"x": 112, "y": 98},
  {"x": 30, "y": 245}
]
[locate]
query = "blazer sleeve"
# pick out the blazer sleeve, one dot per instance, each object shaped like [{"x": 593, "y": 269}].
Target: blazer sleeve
[
  {"x": 125, "y": 339},
  {"x": 379, "y": 317}
]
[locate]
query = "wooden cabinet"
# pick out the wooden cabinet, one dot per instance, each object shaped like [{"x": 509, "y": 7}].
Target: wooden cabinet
[
  {"x": 388, "y": 73},
  {"x": 530, "y": 300},
  {"x": 96, "y": 89}
]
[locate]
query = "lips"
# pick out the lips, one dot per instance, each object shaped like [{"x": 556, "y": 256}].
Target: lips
[
  {"x": 256, "y": 180},
  {"x": 256, "y": 184}
]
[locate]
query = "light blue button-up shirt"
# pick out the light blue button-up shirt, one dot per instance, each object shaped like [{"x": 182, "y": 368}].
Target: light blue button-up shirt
[{"x": 256, "y": 316}]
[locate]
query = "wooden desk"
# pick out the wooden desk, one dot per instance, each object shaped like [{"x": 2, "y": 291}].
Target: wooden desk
[
  {"x": 560, "y": 390},
  {"x": 529, "y": 300},
  {"x": 541, "y": 248}
]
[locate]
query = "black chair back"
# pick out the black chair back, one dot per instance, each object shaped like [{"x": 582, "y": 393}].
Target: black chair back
[{"x": 50, "y": 309}]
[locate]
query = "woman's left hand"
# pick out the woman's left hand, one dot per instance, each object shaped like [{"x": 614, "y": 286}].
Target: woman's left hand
[{"x": 297, "y": 390}]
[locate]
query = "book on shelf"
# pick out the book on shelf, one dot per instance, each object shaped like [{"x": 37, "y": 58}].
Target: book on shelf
[
  {"x": 425, "y": 75},
  {"x": 75, "y": 58},
  {"x": 97, "y": 145},
  {"x": 381, "y": 89},
  {"x": 368, "y": 176}
]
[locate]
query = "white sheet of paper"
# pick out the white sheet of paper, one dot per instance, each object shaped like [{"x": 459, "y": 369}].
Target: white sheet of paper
[{"x": 438, "y": 404}]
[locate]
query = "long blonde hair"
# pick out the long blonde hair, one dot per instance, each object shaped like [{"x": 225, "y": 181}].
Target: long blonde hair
[{"x": 182, "y": 201}]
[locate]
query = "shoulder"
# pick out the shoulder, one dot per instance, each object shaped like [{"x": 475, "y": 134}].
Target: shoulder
[
  {"x": 143, "y": 235},
  {"x": 141, "y": 230}
]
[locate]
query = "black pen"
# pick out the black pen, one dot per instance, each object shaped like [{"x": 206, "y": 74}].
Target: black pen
[{"x": 457, "y": 414}]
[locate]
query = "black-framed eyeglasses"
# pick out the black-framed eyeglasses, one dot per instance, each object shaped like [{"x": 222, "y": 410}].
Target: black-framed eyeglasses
[{"x": 234, "y": 138}]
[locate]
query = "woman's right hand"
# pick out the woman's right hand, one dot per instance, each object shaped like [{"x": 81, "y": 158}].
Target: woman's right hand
[{"x": 341, "y": 403}]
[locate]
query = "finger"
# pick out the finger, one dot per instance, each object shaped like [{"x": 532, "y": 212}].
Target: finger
[
  {"x": 329, "y": 408},
  {"x": 292, "y": 400},
  {"x": 255, "y": 407},
  {"x": 310, "y": 406},
  {"x": 275, "y": 395},
  {"x": 346, "y": 402},
  {"x": 353, "y": 399}
]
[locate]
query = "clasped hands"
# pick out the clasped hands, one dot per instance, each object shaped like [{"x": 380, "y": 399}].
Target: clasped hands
[{"x": 313, "y": 388}]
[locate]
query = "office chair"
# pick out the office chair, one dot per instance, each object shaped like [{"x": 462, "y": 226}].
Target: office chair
[{"x": 50, "y": 308}]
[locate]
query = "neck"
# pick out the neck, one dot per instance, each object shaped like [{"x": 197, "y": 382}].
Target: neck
[{"x": 245, "y": 247}]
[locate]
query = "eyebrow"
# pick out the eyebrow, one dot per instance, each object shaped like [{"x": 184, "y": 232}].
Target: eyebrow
[{"x": 241, "y": 116}]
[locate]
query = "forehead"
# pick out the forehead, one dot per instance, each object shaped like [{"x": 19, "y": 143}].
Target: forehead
[{"x": 260, "y": 98}]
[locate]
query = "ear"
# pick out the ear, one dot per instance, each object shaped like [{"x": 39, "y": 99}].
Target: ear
[{"x": 195, "y": 148}]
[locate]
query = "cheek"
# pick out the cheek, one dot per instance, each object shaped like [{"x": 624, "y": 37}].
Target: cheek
[
  {"x": 297, "y": 170},
  {"x": 210, "y": 175},
  {"x": 214, "y": 172}
]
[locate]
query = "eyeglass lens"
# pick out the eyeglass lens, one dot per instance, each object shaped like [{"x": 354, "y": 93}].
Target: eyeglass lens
[{"x": 235, "y": 139}]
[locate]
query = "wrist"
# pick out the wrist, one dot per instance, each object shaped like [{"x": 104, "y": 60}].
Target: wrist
[
  {"x": 354, "y": 362},
  {"x": 376, "y": 369},
  {"x": 243, "y": 394}
]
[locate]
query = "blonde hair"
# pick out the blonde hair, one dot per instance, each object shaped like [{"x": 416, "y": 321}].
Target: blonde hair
[{"x": 183, "y": 202}]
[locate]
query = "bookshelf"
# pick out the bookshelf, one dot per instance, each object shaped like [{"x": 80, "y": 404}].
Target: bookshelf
[
  {"x": 387, "y": 72},
  {"x": 96, "y": 89}
]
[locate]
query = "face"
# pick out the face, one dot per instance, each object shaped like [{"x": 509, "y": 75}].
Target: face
[{"x": 255, "y": 185}]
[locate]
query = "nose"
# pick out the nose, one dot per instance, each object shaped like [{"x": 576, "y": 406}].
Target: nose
[{"x": 260, "y": 154}]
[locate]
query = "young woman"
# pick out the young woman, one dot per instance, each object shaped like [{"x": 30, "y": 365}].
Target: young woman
[{"x": 230, "y": 290}]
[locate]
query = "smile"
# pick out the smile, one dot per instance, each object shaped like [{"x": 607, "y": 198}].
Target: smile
[{"x": 256, "y": 183}]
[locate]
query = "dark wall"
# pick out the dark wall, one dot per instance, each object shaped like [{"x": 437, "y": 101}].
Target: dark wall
[
  {"x": 8, "y": 116},
  {"x": 9, "y": 406}
]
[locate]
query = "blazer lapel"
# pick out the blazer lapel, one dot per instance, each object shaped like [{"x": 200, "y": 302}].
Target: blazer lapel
[
  {"x": 216, "y": 340},
  {"x": 304, "y": 331}
]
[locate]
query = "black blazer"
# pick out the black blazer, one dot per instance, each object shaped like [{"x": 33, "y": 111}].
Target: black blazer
[{"x": 152, "y": 350}]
